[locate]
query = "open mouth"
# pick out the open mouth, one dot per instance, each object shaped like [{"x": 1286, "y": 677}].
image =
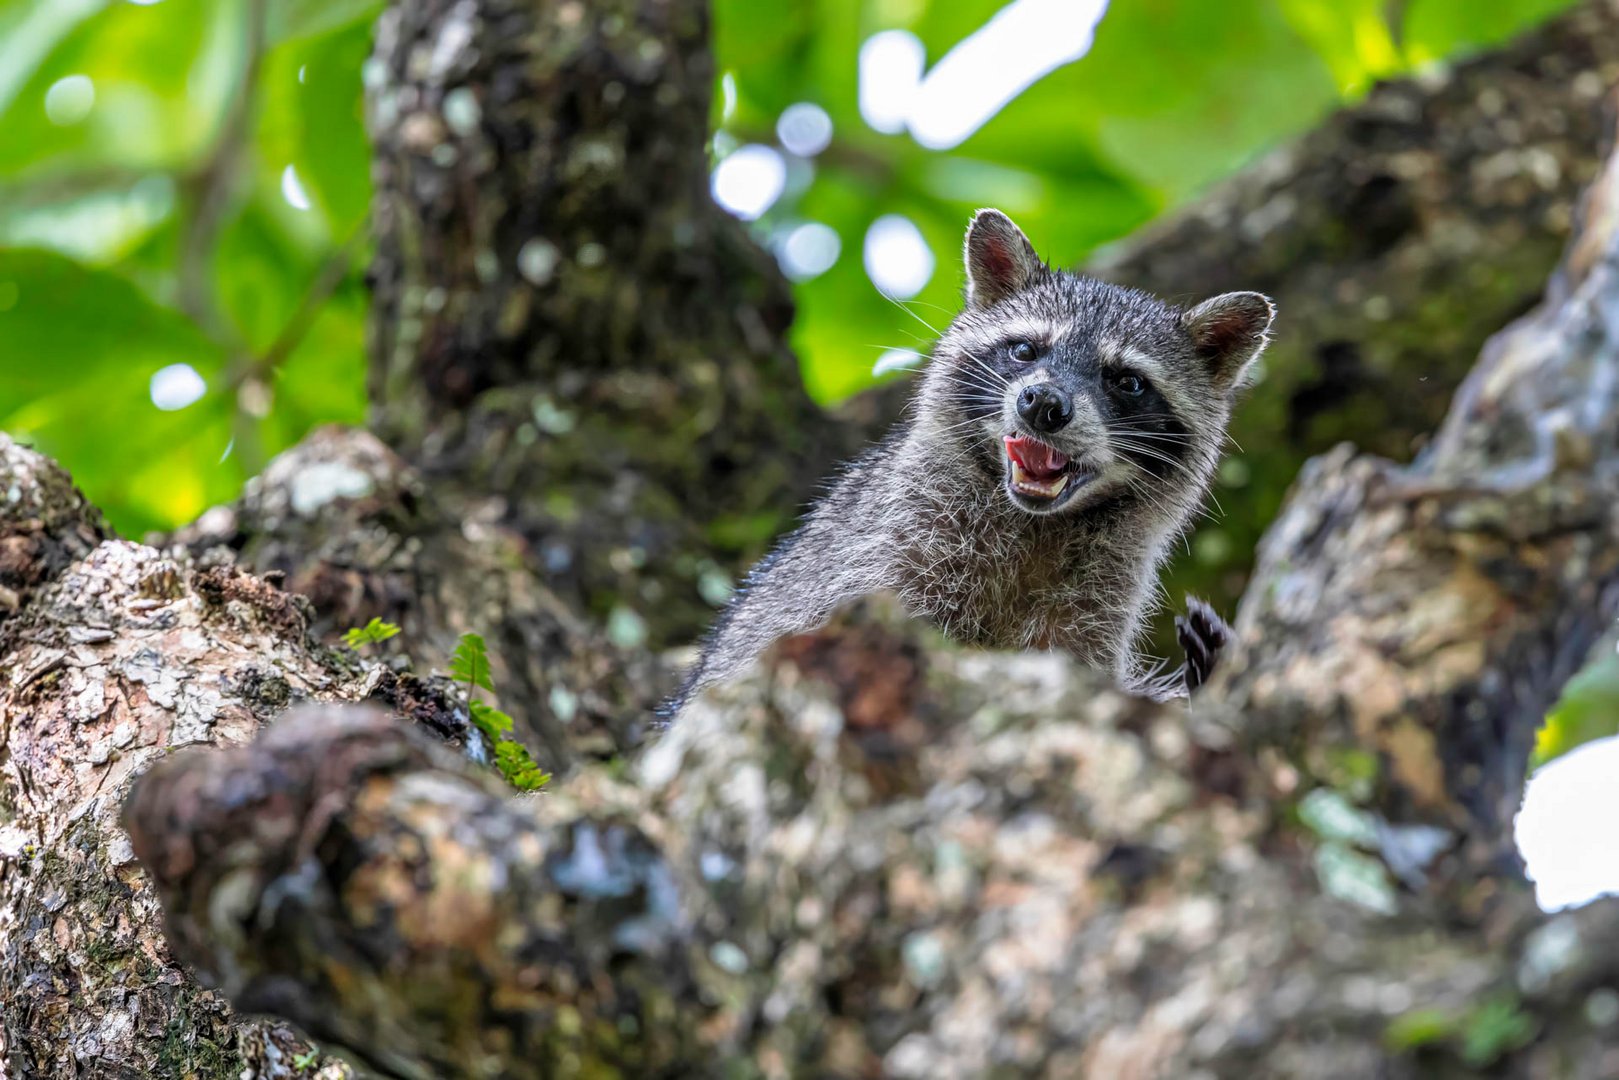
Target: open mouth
[{"x": 1040, "y": 473}]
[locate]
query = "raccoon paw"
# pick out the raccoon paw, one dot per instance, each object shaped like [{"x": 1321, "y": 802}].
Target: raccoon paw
[{"x": 1203, "y": 635}]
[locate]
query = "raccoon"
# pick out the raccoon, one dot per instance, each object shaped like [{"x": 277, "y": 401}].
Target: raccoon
[{"x": 1064, "y": 434}]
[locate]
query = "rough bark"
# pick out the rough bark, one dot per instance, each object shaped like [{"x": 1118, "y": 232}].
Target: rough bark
[
  {"x": 880, "y": 856},
  {"x": 565, "y": 933},
  {"x": 119, "y": 655},
  {"x": 47, "y": 525},
  {"x": 345, "y": 522}
]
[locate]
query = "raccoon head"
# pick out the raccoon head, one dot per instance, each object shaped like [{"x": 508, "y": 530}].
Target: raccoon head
[{"x": 1071, "y": 392}]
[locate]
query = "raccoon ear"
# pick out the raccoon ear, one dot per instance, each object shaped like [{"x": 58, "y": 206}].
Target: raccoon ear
[
  {"x": 1229, "y": 332},
  {"x": 1000, "y": 260}
]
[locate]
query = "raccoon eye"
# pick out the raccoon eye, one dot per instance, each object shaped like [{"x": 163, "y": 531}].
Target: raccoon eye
[
  {"x": 1130, "y": 385},
  {"x": 1023, "y": 352}
]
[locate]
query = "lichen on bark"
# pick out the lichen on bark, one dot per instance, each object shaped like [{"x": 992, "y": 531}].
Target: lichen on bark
[{"x": 120, "y": 655}]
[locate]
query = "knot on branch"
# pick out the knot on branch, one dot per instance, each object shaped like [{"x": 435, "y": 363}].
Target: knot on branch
[
  {"x": 44, "y": 523},
  {"x": 351, "y": 874}
]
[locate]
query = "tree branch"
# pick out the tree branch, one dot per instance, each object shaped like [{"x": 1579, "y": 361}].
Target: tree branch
[
  {"x": 1395, "y": 238},
  {"x": 1430, "y": 614},
  {"x": 538, "y": 942},
  {"x": 212, "y": 188}
]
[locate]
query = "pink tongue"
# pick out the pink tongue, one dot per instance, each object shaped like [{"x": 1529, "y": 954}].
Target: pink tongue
[{"x": 1037, "y": 459}]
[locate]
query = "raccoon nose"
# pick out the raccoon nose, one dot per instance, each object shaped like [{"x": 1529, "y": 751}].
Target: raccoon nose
[{"x": 1045, "y": 408}]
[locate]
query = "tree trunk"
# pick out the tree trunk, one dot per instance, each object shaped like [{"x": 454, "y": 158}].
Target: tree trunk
[
  {"x": 562, "y": 312},
  {"x": 878, "y": 856}
]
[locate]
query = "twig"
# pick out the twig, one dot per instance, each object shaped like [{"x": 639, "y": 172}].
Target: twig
[
  {"x": 213, "y": 187},
  {"x": 321, "y": 288}
]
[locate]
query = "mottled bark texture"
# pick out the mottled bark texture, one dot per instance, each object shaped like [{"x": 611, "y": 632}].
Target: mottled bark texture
[
  {"x": 1394, "y": 238},
  {"x": 117, "y": 655},
  {"x": 46, "y": 525},
  {"x": 564, "y": 316},
  {"x": 393, "y": 876},
  {"x": 345, "y": 522},
  {"x": 881, "y": 856}
]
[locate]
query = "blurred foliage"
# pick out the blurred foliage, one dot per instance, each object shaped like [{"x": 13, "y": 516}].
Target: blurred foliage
[
  {"x": 185, "y": 182},
  {"x": 144, "y": 223},
  {"x": 1588, "y": 709},
  {"x": 1172, "y": 95}
]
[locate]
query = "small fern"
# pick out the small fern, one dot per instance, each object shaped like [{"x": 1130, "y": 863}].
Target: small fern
[
  {"x": 373, "y": 632},
  {"x": 470, "y": 665},
  {"x": 519, "y": 769}
]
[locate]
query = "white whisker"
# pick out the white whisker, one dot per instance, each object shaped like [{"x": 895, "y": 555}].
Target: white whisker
[{"x": 902, "y": 306}]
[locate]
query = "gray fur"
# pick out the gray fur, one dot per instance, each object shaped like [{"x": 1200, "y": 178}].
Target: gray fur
[{"x": 927, "y": 514}]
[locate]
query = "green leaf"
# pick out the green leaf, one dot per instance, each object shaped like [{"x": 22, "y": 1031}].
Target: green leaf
[
  {"x": 98, "y": 222},
  {"x": 61, "y": 322},
  {"x": 1587, "y": 710},
  {"x": 290, "y": 19},
  {"x": 78, "y": 343},
  {"x": 1440, "y": 28},
  {"x": 1176, "y": 93},
  {"x": 313, "y": 120},
  {"x": 28, "y": 34},
  {"x": 323, "y": 381},
  {"x": 490, "y": 720},
  {"x": 470, "y": 663},
  {"x": 518, "y": 767},
  {"x": 265, "y": 270},
  {"x": 1419, "y": 1027},
  {"x": 261, "y": 270},
  {"x": 161, "y": 75},
  {"x": 371, "y": 633},
  {"x": 1496, "y": 1027},
  {"x": 1352, "y": 36}
]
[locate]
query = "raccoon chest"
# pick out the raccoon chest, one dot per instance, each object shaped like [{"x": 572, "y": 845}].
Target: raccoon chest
[{"x": 1004, "y": 601}]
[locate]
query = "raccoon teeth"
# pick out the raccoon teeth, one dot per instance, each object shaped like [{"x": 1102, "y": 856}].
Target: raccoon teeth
[{"x": 1048, "y": 488}]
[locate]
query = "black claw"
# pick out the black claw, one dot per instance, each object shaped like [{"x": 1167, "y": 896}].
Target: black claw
[
  {"x": 1202, "y": 635},
  {"x": 1192, "y": 644}
]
